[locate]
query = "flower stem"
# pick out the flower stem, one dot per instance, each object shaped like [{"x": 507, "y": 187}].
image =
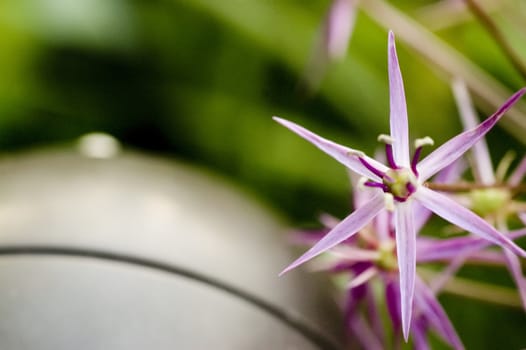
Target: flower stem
[
  {"x": 477, "y": 290},
  {"x": 466, "y": 187},
  {"x": 497, "y": 35}
]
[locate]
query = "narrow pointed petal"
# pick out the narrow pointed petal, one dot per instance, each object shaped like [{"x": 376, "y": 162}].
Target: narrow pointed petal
[
  {"x": 359, "y": 195},
  {"x": 374, "y": 316},
  {"x": 350, "y": 253},
  {"x": 345, "y": 229},
  {"x": 435, "y": 314},
  {"x": 421, "y": 215},
  {"x": 342, "y": 154},
  {"x": 398, "y": 108},
  {"x": 449, "y": 174},
  {"x": 328, "y": 220},
  {"x": 363, "y": 277},
  {"x": 392, "y": 299},
  {"x": 333, "y": 42},
  {"x": 457, "y": 146},
  {"x": 406, "y": 253},
  {"x": 518, "y": 174},
  {"x": 483, "y": 168},
  {"x": 438, "y": 282},
  {"x": 514, "y": 265},
  {"x": 453, "y": 212},
  {"x": 419, "y": 333},
  {"x": 430, "y": 250},
  {"x": 339, "y": 27},
  {"x": 363, "y": 332}
]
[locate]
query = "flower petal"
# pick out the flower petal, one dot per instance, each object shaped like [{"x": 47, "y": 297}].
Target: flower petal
[
  {"x": 450, "y": 173},
  {"x": 518, "y": 174},
  {"x": 363, "y": 277},
  {"x": 406, "y": 253},
  {"x": 419, "y": 333},
  {"x": 482, "y": 167},
  {"x": 464, "y": 218},
  {"x": 438, "y": 282},
  {"x": 398, "y": 108},
  {"x": 345, "y": 229},
  {"x": 363, "y": 332},
  {"x": 392, "y": 300},
  {"x": 339, "y": 27},
  {"x": 342, "y": 154},
  {"x": 435, "y": 314},
  {"x": 457, "y": 146},
  {"x": 514, "y": 265},
  {"x": 374, "y": 317}
]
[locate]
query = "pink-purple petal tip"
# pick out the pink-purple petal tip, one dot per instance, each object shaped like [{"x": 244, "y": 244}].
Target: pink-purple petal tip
[
  {"x": 398, "y": 108},
  {"x": 345, "y": 155},
  {"x": 345, "y": 229},
  {"x": 457, "y": 146}
]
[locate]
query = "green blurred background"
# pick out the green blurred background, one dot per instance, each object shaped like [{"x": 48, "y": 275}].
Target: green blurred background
[{"x": 199, "y": 80}]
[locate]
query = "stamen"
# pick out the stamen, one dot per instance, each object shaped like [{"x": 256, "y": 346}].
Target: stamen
[
  {"x": 361, "y": 182},
  {"x": 371, "y": 168},
  {"x": 376, "y": 185},
  {"x": 400, "y": 199},
  {"x": 419, "y": 144},
  {"x": 389, "y": 202},
  {"x": 388, "y": 140},
  {"x": 504, "y": 165}
]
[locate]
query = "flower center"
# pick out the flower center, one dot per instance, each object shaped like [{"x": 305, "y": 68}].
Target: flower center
[
  {"x": 401, "y": 183},
  {"x": 489, "y": 201},
  {"x": 387, "y": 256},
  {"x": 398, "y": 183}
]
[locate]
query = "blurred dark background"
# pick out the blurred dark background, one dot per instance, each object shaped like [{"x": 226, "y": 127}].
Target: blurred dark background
[{"x": 199, "y": 80}]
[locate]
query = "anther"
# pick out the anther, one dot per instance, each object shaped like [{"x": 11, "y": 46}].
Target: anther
[
  {"x": 387, "y": 139},
  {"x": 419, "y": 144},
  {"x": 425, "y": 141},
  {"x": 361, "y": 182},
  {"x": 356, "y": 153}
]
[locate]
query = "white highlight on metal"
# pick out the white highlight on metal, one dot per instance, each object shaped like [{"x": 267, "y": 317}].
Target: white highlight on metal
[{"x": 98, "y": 145}]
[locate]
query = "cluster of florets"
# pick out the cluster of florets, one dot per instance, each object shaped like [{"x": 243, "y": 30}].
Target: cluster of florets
[{"x": 379, "y": 242}]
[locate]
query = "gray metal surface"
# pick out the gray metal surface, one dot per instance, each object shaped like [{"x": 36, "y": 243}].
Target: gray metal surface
[
  {"x": 104, "y": 305},
  {"x": 137, "y": 206}
]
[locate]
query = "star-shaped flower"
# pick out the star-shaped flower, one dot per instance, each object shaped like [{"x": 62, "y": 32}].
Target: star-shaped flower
[{"x": 401, "y": 183}]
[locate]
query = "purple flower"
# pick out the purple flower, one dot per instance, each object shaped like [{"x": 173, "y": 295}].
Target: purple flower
[
  {"x": 495, "y": 200},
  {"x": 400, "y": 186},
  {"x": 370, "y": 259}
]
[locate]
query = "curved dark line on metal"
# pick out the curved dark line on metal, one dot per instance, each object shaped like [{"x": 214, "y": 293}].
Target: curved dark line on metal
[{"x": 315, "y": 336}]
